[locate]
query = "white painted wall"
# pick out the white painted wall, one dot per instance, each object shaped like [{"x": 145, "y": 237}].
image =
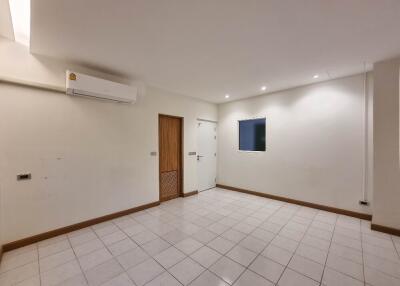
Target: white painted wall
[
  {"x": 314, "y": 141},
  {"x": 386, "y": 209},
  {"x": 88, "y": 158}
]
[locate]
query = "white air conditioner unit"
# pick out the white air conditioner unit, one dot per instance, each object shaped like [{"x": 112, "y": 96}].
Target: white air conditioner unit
[{"x": 84, "y": 85}]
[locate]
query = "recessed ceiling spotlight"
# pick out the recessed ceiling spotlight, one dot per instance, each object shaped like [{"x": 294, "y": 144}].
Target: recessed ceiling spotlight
[
  {"x": 316, "y": 76},
  {"x": 226, "y": 95},
  {"x": 263, "y": 88}
]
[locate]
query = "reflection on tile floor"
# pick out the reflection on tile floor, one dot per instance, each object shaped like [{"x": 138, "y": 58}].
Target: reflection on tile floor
[{"x": 218, "y": 237}]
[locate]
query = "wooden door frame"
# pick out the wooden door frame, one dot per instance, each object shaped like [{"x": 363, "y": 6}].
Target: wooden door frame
[{"x": 180, "y": 191}]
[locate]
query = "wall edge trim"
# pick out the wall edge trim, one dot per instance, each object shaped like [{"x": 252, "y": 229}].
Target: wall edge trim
[
  {"x": 385, "y": 229},
  {"x": 32, "y": 84},
  {"x": 66, "y": 229},
  {"x": 190, "y": 193},
  {"x": 299, "y": 202}
]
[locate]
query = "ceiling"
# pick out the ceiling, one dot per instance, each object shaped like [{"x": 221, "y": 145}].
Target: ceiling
[{"x": 209, "y": 48}]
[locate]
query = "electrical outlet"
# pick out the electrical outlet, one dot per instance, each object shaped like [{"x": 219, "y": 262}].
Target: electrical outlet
[{"x": 21, "y": 177}]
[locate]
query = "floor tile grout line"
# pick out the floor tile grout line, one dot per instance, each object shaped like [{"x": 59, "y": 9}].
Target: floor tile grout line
[
  {"x": 38, "y": 260},
  {"x": 294, "y": 253},
  {"x": 115, "y": 257},
  {"x": 380, "y": 271},
  {"x": 361, "y": 264},
  {"x": 217, "y": 235},
  {"x": 330, "y": 245},
  {"x": 281, "y": 227},
  {"x": 224, "y": 254},
  {"x": 247, "y": 268},
  {"x": 362, "y": 254},
  {"x": 347, "y": 259},
  {"x": 77, "y": 260},
  {"x": 152, "y": 257},
  {"x": 90, "y": 252},
  {"x": 24, "y": 264},
  {"x": 47, "y": 256},
  {"x": 236, "y": 243},
  {"x": 395, "y": 248},
  {"x": 58, "y": 251},
  {"x": 105, "y": 247}
]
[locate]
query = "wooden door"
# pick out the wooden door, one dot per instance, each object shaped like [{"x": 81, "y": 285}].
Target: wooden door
[{"x": 170, "y": 149}]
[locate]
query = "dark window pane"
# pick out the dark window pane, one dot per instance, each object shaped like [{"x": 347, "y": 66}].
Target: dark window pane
[{"x": 252, "y": 135}]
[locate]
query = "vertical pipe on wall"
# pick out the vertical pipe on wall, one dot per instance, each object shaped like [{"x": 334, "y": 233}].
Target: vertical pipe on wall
[{"x": 365, "y": 133}]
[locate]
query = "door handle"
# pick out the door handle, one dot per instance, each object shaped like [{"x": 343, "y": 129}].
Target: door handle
[{"x": 198, "y": 157}]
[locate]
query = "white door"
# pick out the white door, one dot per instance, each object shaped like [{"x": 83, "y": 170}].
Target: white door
[{"x": 206, "y": 154}]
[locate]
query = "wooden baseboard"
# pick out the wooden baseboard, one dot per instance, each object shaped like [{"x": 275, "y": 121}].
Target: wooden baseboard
[
  {"x": 301, "y": 203},
  {"x": 385, "y": 229},
  {"x": 190, "y": 194},
  {"x": 46, "y": 235}
]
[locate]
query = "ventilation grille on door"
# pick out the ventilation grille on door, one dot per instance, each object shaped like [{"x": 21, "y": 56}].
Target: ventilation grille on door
[{"x": 169, "y": 184}]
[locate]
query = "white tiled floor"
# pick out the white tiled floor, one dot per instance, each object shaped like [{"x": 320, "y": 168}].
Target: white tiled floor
[{"x": 215, "y": 238}]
